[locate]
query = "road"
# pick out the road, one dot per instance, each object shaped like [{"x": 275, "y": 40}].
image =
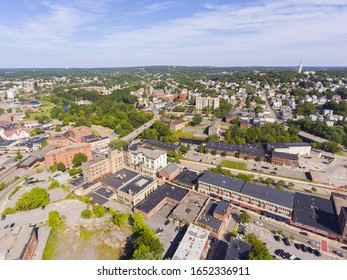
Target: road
[{"x": 299, "y": 185}]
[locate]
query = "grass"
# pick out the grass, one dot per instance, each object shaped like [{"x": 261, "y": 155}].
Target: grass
[
  {"x": 14, "y": 191},
  {"x": 85, "y": 233},
  {"x": 45, "y": 109},
  {"x": 234, "y": 164},
  {"x": 96, "y": 133},
  {"x": 51, "y": 245},
  {"x": 181, "y": 133}
]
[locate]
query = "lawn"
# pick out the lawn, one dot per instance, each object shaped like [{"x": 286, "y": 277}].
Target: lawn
[
  {"x": 234, "y": 164},
  {"x": 181, "y": 133}
]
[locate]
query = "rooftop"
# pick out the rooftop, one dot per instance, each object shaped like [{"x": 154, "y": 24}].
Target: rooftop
[
  {"x": 187, "y": 178},
  {"x": 71, "y": 147},
  {"x": 222, "y": 207},
  {"x": 252, "y": 149},
  {"x": 192, "y": 245},
  {"x": 315, "y": 212},
  {"x": 222, "y": 181},
  {"x": 207, "y": 218},
  {"x": 222, "y": 146},
  {"x": 238, "y": 250},
  {"x": 149, "y": 152},
  {"x": 96, "y": 158},
  {"x": 167, "y": 190},
  {"x": 163, "y": 145},
  {"x": 120, "y": 178},
  {"x": 137, "y": 185},
  {"x": 171, "y": 168},
  {"x": 271, "y": 195}
]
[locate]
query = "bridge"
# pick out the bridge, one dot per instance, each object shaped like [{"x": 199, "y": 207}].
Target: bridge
[{"x": 132, "y": 136}]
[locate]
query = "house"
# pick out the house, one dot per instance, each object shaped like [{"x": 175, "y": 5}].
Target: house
[{"x": 177, "y": 124}]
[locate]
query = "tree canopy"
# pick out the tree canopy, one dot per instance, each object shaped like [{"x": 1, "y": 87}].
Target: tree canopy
[{"x": 37, "y": 197}]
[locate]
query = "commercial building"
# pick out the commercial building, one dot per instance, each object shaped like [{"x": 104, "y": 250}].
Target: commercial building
[
  {"x": 177, "y": 124},
  {"x": 221, "y": 147},
  {"x": 237, "y": 250},
  {"x": 58, "y": 141},
  {"x": 102, "y": 165},
  {"x": 129, "y": 187},
  {"x": 203, "y": 102},
  {"x": 75, "y": 134},
  {"x": 66, "y": 154},
  {"x": 165, "y": 194},
  {"x": 149, "y": 157},
  {"x": 269, "y": 201},
  {"x": 194, "y": 244},
  {"x": 214, "y": 217},
  {"x": 284, "y": 159},
  {"x": 169, "y": 172},
  {"x": 187, "y": 178},
  {"x": 18, "y": 243},
  {"x": 315, "y": 214},
  {"x": 252, "y": 151},
  {"x": 165, "y": 146},
  {"x": 300, "y": 148}
]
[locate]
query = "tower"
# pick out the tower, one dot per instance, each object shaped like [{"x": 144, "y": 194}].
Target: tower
[
  {"x": 300, "y": 67},
  {"x": 116, "y": 160}
]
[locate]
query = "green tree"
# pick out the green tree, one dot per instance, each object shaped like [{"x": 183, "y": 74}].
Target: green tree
[
  {"x": 183, "y": 149},
  {"x": 258, "y": 250},
  {"x": 27, "y": 114},
  {"x": 44, "y": 143},
  {"x": 55, "y": 221},
  {"x": 202, "y": 148},
  {"x": 57, "y": 128},
  {"x": 18, "y": 156},
  {"x": 120, "y": 219},
  {"x": 61, "y": 166},
  {"x": 54, "y": 184},
  {"x": 37, "y": 197},
  {"x": 72, "y": 171},
  {"x": 53, "y": 168},
  {"x": 99, "y": 211},
  {"x": 2, "y": 186},
  {"x": 79, "y": 158},
  {"x": 245, "y": 217},
  {"x": 118, "y": 144}
]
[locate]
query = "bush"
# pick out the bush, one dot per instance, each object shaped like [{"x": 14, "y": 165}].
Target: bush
[
  {"x": 86, "y": 214},
  {"x": 54, "y": 221},
  {"x": 120, "y": 219},
  {"x": 14, "y": 191},
  {"x": 61, "y": 166},
  {"x": 72, "y": 171},
  {"x": 2, "y": 186},
  {"x": 37, "y": 197},
  {"x": 9, "y": 211},
  {"x": 53, "y": 168},
  {"x": 86, "y": 200},
  {"x": 99, "y": 211},
  {"x": 54, "y": 184}
]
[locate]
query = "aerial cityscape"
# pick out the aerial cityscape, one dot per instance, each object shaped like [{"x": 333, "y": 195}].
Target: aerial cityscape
[{"x": 105, "y": 157}]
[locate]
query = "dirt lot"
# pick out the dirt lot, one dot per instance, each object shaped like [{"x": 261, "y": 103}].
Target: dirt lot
[{"x": 98, "y": 242}]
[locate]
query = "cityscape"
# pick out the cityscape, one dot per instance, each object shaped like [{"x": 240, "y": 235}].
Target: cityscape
[
  {"x": 173, "y": 163},
  {"x": 148, "y": 130}
]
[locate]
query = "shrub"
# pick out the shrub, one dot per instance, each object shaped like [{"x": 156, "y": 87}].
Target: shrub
[
  {"x": 54, "y": 221},
  {"x": 86, "y": 214},
  {"x": 9, "y": 211},
  {"x": 37, "y": 197},
  {"x": 99, "y": 211}
]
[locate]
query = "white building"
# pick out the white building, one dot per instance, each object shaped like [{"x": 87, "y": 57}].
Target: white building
[
  {"x": 150, "y": 158},
  {"x": 11, "y": 93},
  {"x": 202, "y": 102},
  {"x": 300, "y": 148},
  {"x": 193, "y": 244}
]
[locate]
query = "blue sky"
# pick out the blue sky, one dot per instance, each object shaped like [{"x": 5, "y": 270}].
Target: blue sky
[{"x": 113, "y": 33}]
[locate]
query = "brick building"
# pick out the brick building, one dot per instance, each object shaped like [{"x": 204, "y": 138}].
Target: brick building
[
  {"x": 66, "y": 154},
  {"x": 250, "y": 151},
  {"x": 58, "y": 141},
  {"x": 169, "y": 172},
  {"x": 75, "y": 134},
  {"x": 284, "y": 159}
]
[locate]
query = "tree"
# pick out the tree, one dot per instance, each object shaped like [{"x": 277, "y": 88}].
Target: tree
[
  {"x": 55, "y": 221},
  {"x": 54, "y": 184},
  {"x": 27, "y": 114},
  {"x": 120, "y": 219},
  {"x": 53, "y": 168},
  {"x": 79, "y": 158},
  {"x": 86, "y": 214},
  {"x": 245, "y": 217},
  {"x": 183, "y": 149},
  {"x": 61, "y": 166},
  {"x": 18, "y": 156},
  {"x": 2, "y": 186},
  {"x": 202, "y": 148},
  {"x": 99, "y": 211},
  {"x": 44, "y": 143},
  {"x": 118, "y": 144},
  {"x": 37, "y": 197},
  {"x": 72, "y": 171},
  {"x": 258, "y": 250},
  {"x": 57, "y": 128}
]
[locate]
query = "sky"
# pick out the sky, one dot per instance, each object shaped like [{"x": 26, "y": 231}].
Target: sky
[{"x": 117, "y": 33}]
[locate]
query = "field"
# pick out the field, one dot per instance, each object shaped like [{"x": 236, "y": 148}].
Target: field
[
  {"x": 103, "y": 242},
  {"x": 181, "y": 133},
  {"x": 234, "y": 164}
]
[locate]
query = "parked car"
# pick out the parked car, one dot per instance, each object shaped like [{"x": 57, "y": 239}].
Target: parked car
[
  {"x": 309, "y": 249},
  {"x": 278, "y": 252},
  {"x": 167, "y": 222},
  {"x": 12, "y": 225},
  {"x": 6, "y": 226},
  {"x": 313, "y": 243},
  {"x": 340, "y": 254},
  {"x": 160, "y": 230},
  {"x": 286, "y": 241},
  {"x": 304, "y": 248},
  {"x": 297, "y": 246},
  {"x": 3, "y": 217},
  {"x": 258, "y": 223},
  {"x": 303, "y": 233},
  {"x": 317, "y": 253},
  {"x": 277, "y": 238}
]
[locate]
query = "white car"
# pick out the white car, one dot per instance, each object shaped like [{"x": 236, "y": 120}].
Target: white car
[{"x": 258, "y": 223}]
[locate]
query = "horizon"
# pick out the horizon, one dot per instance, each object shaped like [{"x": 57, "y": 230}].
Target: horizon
[{"x": 90, "y": 33}]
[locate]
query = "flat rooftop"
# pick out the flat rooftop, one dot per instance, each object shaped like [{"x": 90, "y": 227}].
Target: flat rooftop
[
  {"x": 222, "y": 146},
  {"x": 207, "y": 218},
  {"x": 252, "y": 149},
  {"x": 104, "y": 192},
  {"x": 70, "y": 147},
  {"x": 285, "y": 155},
  {"x": 167, "y": 190},
  {"x": 272, "y": 195},
  {"x": 192, "y": 245},
  {"x": 151, "y": 153},
  {"x": 315, "y": 212},
  {"x": 187, "y": 178},
  {"x": 222, "y": 207},
  {"x": 238, "y": 250},
  {"x": 222, "y": 181},
  {"x": 137, "y": 185},
  {"x": 163, "y": 145},
  {"x": 120, "y": 178}
]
